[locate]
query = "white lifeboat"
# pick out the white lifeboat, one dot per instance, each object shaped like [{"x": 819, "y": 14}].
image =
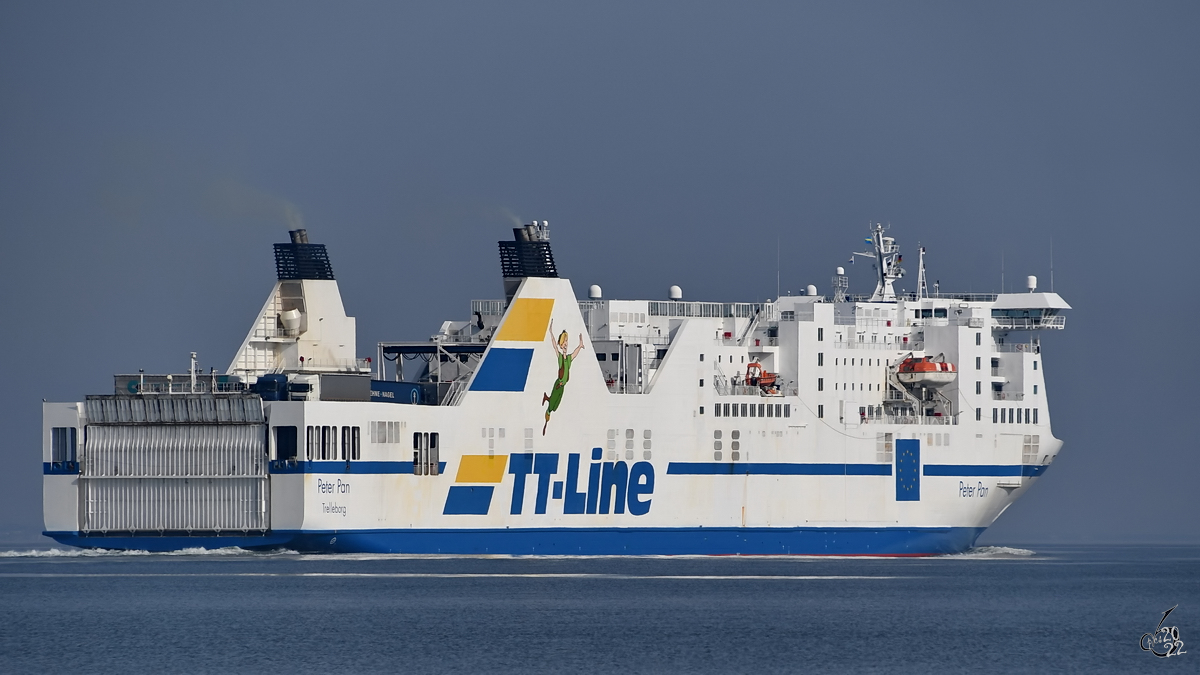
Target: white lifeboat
[{"x": 927, "y": 371}]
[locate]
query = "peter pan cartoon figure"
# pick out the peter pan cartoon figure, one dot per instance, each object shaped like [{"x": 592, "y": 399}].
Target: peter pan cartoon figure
[{"x": 564, "y": 373}]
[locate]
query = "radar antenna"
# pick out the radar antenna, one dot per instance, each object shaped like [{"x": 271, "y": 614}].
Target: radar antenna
[{"x": 887, "y": 263}]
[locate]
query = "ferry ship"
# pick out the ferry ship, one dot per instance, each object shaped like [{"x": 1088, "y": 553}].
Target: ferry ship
[{"x": 890, "y": 424}]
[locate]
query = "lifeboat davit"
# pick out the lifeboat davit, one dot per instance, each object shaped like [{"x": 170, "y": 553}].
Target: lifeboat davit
[{"x": 927, "y": 371}]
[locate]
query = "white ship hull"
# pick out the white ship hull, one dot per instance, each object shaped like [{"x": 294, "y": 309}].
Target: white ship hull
[{"x": 691, "y": 463}]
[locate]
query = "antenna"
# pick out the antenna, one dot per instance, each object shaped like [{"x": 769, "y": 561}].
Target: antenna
[
  {"x": 922, "y": 288},
  {"x": 1052, "y": 263},
  {"x": 1001, "y": 270},
  {"x": 776, "y": 266}
]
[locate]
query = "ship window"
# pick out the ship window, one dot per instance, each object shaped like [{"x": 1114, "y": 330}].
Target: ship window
[
  {"x": 744, "y": 410},
  {"x": 1027, "y": 416},
  {"x": 978, "y": 363},
  {"x": 717, "y": 446},
  {"x": 717, "y": 455},
  {"x": 778, "y": 410},
  {"x": 701, "y": 410},
  {"x": 978, "y": 339},
  {"x": 310, "y": 440},
  {"x": 701, "y": 357},
  {"x": 926, "y": 313},
  {"x": 1035, "y": 365},
  {"x": 787, "y": 409},
  {"x": 820, "y": 335},
  {"x": 1035, "y": 390},
  {"x": 939, "y": 313},
  {"x": 753, "y": 412},
  {"x": 979, "y": 414},
  {"x": 64, "y": 440},
  {"x": 285, "y": 443},
  {"x": 735, "y": 434},
  {"x": 978, "y": 387},
  {"x": 356, "y": 443},
  {"x": 717, "y": 410},
  {"x": 820, "y": 358},
  {"x": 701, "y": 382},
  {"x": 760, "y": 410},
  {"x": 616, "y": 356},
  {"x": 601, "y": 356},
  {"x": 1035, "y": 415},
  {"x": 770, "y": 410},
  {"x": 734, "y": 445},
  {"x": 994, "y": 420}
]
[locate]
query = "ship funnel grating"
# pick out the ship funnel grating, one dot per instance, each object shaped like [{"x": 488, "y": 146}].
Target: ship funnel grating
[
  {"x": 529, "y": 254},
  {"x": 302, "y": 261}
]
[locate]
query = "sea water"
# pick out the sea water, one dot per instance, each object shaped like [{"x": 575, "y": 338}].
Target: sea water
[{"x": 994, "y": 609}]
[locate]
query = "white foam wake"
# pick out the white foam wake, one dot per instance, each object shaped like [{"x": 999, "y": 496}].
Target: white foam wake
[{"x": 992, "y": 552}]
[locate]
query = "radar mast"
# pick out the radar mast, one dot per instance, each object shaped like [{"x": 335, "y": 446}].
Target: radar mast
[{"x": 887, "y": 264}]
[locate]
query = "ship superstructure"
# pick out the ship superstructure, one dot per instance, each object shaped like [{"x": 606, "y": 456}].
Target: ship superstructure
[{"x": 890, "y": 424}]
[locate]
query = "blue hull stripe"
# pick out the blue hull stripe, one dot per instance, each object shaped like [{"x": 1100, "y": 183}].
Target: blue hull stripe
[
  {"x": 969, "y": 470},
  {"x": 579, "y": 541},
  {"x": 353, "y": 467},
  {"x": 60, "y": 468},
  {"x": 775, "y": 469}
]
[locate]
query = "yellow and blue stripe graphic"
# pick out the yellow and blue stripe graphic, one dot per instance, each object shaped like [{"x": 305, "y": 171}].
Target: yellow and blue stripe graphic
[
  {"x": 507, "y": 368},
  {"x": 475, "y": 500}
]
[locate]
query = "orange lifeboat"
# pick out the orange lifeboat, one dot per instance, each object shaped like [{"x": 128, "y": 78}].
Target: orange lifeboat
[
  {"x": 756, "y": 376},
  {"x": 927, "y": 371}
]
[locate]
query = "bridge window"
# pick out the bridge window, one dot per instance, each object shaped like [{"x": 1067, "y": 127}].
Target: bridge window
[{"x": 601, "y": 356}]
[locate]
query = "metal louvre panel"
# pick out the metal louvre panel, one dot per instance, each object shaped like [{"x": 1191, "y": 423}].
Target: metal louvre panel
[
  {"x": 175, "y": 409},
  {"x": 165, "y": 504},
  {"x": 177, "y": 450}
]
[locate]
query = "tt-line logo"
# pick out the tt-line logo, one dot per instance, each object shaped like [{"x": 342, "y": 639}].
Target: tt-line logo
[{"x": 1164, "y": 641}]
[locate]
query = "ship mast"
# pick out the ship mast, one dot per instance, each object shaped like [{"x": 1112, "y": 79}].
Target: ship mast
[
  {"x": 887, "y": 264},
  {"x": 922, "y": 287}
]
